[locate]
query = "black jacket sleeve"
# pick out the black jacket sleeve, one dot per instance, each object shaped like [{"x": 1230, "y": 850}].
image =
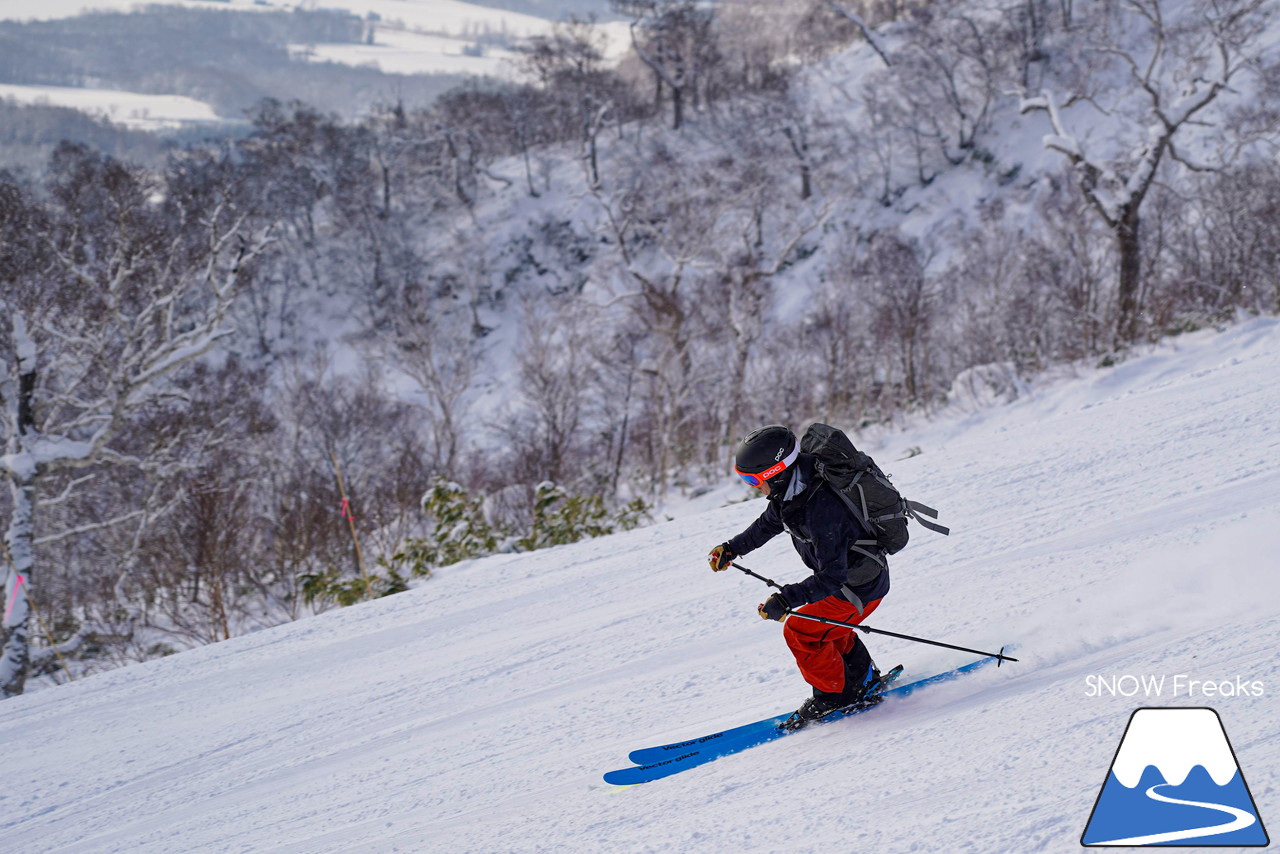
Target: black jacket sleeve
[
  {"x": 824, "y": 531},
  {"x": 759, "y": 532}
]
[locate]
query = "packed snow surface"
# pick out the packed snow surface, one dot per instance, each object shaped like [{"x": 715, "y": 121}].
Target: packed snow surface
[{"x": 1119, "y": 522}]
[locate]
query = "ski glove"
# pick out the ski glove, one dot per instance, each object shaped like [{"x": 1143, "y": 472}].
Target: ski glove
[
  {"x": 720, "y": 557},
  {"x": 773, "y": 608}
]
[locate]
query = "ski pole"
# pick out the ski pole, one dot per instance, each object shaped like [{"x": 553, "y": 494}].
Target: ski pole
[
  {"x": 1000, "y": 657},
  {"x": 768, "y": 581}
]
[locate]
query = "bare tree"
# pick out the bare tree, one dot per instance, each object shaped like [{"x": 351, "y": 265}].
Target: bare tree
[
  {"x": 894, "y": 274},
  {"x": 554, "y": 373},
  {"x": 442, "y": 362},
  {"x": 662, "y": 232},
  {"x": 675, "y": 39},
  {"x": 1177, "y": 60},
  {"x": 1226, "y": 244},
  {"x": 429, "y": 329},
  {"x": 582, "y": 93},
  {"x": 950, "y": 67},
  {"x": 96, "y": 331},
  {"x": 747, "y": 271},
  {"x": 780, "y": 112},
  {"x": 854, "y": 16}
]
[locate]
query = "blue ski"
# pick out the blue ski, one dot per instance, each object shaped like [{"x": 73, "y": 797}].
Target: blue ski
[
  {"x": 650, "y": 755},
  {"x": 654, "y": 763}
]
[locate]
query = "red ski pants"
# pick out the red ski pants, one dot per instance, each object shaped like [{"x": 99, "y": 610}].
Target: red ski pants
[{"x": 819, "y": 648}]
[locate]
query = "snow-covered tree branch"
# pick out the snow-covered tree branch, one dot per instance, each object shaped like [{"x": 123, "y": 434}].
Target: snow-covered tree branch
[
  {"x": 1177, "y": 60},
  {"x": 159, "y": 297}
]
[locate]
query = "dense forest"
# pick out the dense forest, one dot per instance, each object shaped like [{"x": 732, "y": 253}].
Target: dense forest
[
  {"x": 301, "y": 366},
  {"x": 29, "y": 133}
]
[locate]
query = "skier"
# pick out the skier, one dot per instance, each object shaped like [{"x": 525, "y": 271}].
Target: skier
[{"x": 846, "y": 585}]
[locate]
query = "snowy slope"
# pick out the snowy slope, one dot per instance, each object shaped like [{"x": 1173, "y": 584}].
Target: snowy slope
[{"x": 1122, "y": 522}]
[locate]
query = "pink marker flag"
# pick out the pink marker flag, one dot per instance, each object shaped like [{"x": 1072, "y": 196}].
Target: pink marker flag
[{"x": 13, "y": 589}]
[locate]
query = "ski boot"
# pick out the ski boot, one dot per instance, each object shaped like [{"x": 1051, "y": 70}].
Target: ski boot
[{"x": 859, "y": 694}]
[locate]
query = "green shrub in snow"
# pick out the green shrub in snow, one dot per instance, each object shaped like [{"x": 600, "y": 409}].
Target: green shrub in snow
[
  {"x": 560, "y": 518},
  {"x": 330, "y": 588},
  {"x": 460, "y": 531}
]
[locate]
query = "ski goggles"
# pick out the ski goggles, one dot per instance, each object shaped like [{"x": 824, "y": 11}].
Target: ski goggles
[{"x": 760, "y": 477}]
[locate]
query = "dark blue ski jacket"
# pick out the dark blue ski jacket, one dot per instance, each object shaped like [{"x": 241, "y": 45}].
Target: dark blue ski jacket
[{"x": 822, "y": 530}]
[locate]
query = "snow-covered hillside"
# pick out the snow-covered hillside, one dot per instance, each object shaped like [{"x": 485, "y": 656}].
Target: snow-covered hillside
[{"x": 1124, "y": 522}]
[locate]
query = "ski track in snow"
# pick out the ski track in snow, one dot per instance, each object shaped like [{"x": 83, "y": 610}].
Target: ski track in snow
[{"x": 1125, "y": 521}]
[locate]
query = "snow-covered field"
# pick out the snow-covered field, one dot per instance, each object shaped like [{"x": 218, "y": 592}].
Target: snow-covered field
[
  {"x": 410, "y": 36},
  {"x": 399, "y": 51},
  {"x": 451, "y": 16},
  {"x": 1122, "y": 522},
  {"x": 130, "y": 109}
]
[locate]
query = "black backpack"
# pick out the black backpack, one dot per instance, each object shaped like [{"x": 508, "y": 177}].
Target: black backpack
[{"x": 877, "y": 505}]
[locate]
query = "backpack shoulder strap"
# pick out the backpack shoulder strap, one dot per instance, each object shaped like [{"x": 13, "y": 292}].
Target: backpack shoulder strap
[
  {"x": 857, "y": 508},
  {"x": 870, "y": 547}
]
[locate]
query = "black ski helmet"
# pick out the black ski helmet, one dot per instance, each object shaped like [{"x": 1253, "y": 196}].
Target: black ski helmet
[{"x": 765, "y": 453}]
